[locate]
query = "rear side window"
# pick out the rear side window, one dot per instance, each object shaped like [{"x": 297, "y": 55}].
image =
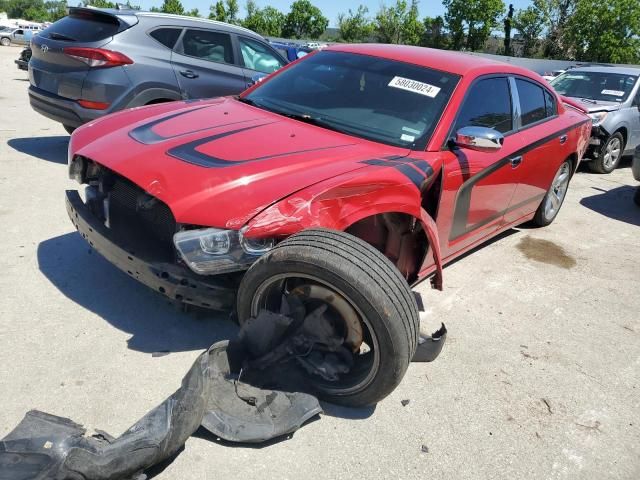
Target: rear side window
[
  {"x": 166, "y": 36},
  {"x": 488, "y": 104},
  {"x": 207, "y": 45},
  {"x": 84, "y": 27},
  {"x": 549, "y": 103},
  {"x": 258, "y": 57},
  {"x": 532, "y": 102}
]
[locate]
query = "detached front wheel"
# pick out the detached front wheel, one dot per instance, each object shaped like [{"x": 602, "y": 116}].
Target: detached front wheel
[{"x": 367, "y": 303}]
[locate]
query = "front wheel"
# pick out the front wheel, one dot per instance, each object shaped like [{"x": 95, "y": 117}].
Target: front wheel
[
  {"x": 5, "y": 42},
  {"x": 552, "y": 201},
  {"x": 609, "y": 155},
  {"x": 367, "y": 303}
]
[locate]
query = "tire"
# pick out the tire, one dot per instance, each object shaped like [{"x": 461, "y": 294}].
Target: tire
[
  {"x": 69, "y": 129},
  {"x": 554, "y": 198},
  {"x": 369, "y": 282},
  {"x": 636, "y": 196},
  {"x": 605, "y": 163},
  {"x": 5, "y": 42}
]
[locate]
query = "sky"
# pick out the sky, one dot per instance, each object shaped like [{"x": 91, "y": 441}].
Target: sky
[{"x": 330, "y": 9}]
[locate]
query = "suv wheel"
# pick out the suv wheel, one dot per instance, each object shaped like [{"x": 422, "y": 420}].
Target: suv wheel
[
  {"x": 609, "y": 155},
  {"x": 5, "y": 42},
  {"x": 369, "y": 305}
]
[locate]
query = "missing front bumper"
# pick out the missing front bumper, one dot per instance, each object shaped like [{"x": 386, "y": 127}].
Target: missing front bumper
[{"x": 174, "y": 281}]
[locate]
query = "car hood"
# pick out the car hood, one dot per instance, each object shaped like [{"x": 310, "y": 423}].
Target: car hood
[
  {"x": 221, "y": 162},
  {"x": 600, "y": 106}
]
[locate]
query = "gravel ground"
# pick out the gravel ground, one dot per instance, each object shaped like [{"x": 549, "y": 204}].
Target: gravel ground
[{"x": 539, "y": 379}]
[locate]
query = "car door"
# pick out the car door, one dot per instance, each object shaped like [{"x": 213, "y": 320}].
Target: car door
[
  {"x": 544, "y": 146},
  {"x": 258, "y": 58},
  {"x": 478, "y": 186},
  {"x": 18, "y": 36},
  {"x": 206, "y": 65}
]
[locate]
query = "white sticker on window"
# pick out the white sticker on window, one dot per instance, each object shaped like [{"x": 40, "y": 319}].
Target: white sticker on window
[
  {"x": 414, "y": 86},
  {"x": 411, "y": 130},
  {"x": 615, "y": 93},
  {"x": 407, "y": 138}
]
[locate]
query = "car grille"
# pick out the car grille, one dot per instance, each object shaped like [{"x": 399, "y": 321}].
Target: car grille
[{"x": 145, "y": 221}]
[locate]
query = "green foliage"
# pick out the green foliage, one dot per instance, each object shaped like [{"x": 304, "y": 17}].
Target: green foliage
[
  {"x": 605, "y": 31},
  {"x": 99, "y": 3},
  {"x": 305, "y": 20},
  {"x": 470, "y": 21},
  {"x": 267, "y": 21},
  {"x": 434, "y": 33},
  {"x": 194, "y": 12},
  {"x": 399, "y": 23},
  {"x": 172, "y": 6},
  {"x": 529, "y": 23},
  {"x": 34, "y": 10},
  {"x": 225, "y": 12},
  {"x": 355, "y": 26},
  {"x": 556, "y": 15}
]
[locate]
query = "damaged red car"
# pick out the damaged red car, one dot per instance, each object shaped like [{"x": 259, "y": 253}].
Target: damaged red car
[{"x": 332, "y": 186}]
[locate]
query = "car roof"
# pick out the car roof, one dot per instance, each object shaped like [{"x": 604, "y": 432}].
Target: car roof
[
  {"x": 459, "y": 63},
  {"x": 603, "y": 69}
]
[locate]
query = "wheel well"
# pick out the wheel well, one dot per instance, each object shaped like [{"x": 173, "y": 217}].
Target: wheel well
[
  {"x": 398, "y": 236},
  {"x": 158, "y": 100},
  {"x": 623, "y": 131},
  {"x": 573, "y": 158}
]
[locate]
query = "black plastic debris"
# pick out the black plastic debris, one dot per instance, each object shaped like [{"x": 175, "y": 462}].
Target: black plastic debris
[
  {"x": 429, "y": 347},
  {"x": 47, "y": 447}
]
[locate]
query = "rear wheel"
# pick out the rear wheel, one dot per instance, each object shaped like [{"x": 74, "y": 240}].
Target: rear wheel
[
  {"x": 368, "y": 303},
  {"x": 609, "y": 155},
  {"x": 5, "y": 42},
  {"x": 69, "y": 129},
  {"x": 552, "y": 201},
  {"x": 636, "y": 196}
]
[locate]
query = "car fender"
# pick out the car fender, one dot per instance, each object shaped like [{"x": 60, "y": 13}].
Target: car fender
[
  {"x": 153, "y": 94},
  {"x": 340, "y": 202}
]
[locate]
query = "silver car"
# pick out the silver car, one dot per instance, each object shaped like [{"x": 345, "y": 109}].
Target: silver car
[
  {"x": 20, "y": 36},
  {"x": 612, "y": 97},
  {"x": 635, "y": 168}
]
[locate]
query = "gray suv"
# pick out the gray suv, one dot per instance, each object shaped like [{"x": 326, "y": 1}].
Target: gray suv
[
  {"x": 97, "y": 61},
  {"x": 612, "y": 97}
]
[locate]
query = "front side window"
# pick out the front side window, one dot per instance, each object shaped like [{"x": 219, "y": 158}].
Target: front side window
[
  {"x": 258, "y": 57},
  {"x": 207, "y": 45},
  {"x": 532, "y": 102},
  {"x": 488, "y": 104},
  {"x": 598, "y": 86},
  {"x": 369, "y": 97}
]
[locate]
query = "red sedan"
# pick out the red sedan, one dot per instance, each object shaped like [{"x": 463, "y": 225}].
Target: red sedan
[{"x": 335, "y": 184}]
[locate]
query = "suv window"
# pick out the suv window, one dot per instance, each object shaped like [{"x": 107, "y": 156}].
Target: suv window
[
  {"x": 166, "y": 36},
  {"x": 532, "y": 102},
  {"x": 207, "y": 45},
  {"x": 259, "y": 57},
  {"x": 84, "y": 27},
  {"x": 488, "y": 104}
]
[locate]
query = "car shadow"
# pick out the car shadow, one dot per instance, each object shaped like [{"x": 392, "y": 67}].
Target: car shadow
[
  {"x": 616, "y": 204},
  {"x": 156, "y": 324},
  {"x": 52, "y": 149}
]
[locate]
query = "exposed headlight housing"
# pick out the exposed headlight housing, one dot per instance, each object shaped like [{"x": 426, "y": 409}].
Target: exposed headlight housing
[
  {"x": 597, "y": 118},
  {"x": 211, "y": 250}
]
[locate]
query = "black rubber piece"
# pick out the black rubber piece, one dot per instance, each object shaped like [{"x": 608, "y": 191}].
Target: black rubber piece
[{"x": 368, "y": 279}]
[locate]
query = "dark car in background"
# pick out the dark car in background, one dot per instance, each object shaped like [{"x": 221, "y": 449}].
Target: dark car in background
[
  {"x": 291, "y": 51},
  {"x": 97, "y": 61},
  {"x": 23, "y": 60}
]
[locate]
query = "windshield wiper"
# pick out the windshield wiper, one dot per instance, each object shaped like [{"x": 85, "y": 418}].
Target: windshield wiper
[
  {"x": 60, "y": 36},
  {"x": 588, "y": 100}
]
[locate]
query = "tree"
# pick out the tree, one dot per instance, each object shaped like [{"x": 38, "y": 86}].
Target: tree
[
  {"x": 172, "y": 6},
  {"x": 267, "y": 21},
  {"x": 399, "y": 23},
  {"x": 355, "y": 26},
  {"x": 305, "y": 20},
  {"x": 470, "y": 21},
  {"x": 224, "y": 13},
  {"x": 434, "y": 35},
  {"x": 99, "y": 3},
  {"x": 507, "y": 30},
  {"x": 194, "y": 12},
  {"x": 529, "y": 23},
  {"x": 605, "y": 33},
  {"x": 556, "y": 15}
]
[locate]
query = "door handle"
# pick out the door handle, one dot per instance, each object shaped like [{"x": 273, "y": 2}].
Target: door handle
[
  {"x": 515, "y": 161},
  {"x": 563, "y": 139},
  {"x": 188, "y": 74}
]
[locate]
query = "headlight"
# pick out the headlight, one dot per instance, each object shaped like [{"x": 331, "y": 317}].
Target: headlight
[
  {"x": 212, "y": 250},
  {"x": 597, "y": 118}
]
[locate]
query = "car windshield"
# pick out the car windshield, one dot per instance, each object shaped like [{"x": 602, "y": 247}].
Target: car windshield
[
  {"x": 603, "y": 86},
  {"x": 369, "y": 97}
]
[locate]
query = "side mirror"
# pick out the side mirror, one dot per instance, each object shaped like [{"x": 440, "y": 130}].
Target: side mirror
[{"x": 482, "y": 139}]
